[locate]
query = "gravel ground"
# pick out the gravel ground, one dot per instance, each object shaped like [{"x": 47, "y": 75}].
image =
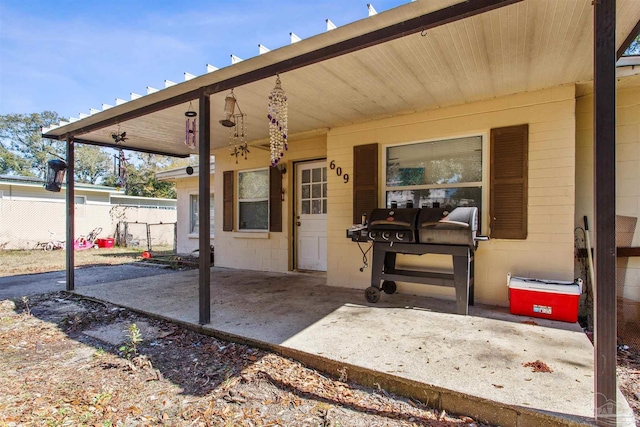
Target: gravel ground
[{"x": 67, "y": 361}]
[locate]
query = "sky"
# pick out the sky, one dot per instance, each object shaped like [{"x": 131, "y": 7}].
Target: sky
[{"x": 69, "y": 56}]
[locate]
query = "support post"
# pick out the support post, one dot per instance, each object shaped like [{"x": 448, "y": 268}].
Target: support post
[
  {"x": 605, "y": 210},
  {"x": 204, "y": 214},
  {"x": 70, "y": 217}
]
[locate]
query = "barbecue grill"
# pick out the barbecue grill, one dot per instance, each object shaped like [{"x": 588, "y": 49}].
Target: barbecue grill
[{"x": 424, "y": 231}]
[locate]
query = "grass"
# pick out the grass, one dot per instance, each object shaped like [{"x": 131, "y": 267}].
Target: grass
[{"x": 39, "y": 261}]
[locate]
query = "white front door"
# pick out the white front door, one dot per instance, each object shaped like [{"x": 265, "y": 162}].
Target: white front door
[{"x": 311, "y": 216}]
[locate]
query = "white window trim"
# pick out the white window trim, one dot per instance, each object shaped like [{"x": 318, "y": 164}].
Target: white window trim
[
  {"x": 79, "y": 197},
  {"x": 382, "y": 196},
  {"x": 191, "y": 235},
  {"x": 237, "y": 216}
]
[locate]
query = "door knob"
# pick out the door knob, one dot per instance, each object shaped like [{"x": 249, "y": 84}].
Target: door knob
[{"x": 298, "y": 223}]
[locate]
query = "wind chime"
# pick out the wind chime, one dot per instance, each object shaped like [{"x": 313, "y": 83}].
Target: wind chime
[
  {"x": 277, "y": 115},
  {"x": 236, "y": 124},
  {"x": 120, "y": 161},
  {"x": 190, "y": 127}
]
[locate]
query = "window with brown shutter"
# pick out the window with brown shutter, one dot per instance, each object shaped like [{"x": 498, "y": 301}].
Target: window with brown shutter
[
  {"x": 509, "y": 182},
  {"x": 275, "y": 199},
  {"x": 227, "y": 203},
  {"x": 365, "y": 180}
]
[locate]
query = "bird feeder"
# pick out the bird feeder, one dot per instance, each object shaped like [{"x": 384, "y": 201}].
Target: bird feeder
[{"x": 55, "y": 175}]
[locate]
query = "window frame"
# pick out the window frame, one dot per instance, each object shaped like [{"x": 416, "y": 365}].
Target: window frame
[
  {"x": 484, "y": 183},
  {"x": 196, "y": 234},
  {"x": 238, "y": 200}
]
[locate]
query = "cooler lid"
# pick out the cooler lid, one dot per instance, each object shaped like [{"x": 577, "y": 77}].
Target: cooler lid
[{"x": 541, "y": 285}]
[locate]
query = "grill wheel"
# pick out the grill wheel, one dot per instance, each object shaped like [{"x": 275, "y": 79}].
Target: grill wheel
[
  {"x": 372, "y": 294},
  {"x": 389, "y": 287}
]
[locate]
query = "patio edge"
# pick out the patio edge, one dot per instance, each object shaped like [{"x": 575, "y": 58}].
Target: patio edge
[{"x": 480, "y": 409}]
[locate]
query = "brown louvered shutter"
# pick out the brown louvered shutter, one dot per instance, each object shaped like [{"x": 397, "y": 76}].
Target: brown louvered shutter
[
  {"x": 227, "y": 201},
  {"x": 509, "y": 172},
  {"x": 275, "y": 199},
  {"x": 365, "y": 180}
]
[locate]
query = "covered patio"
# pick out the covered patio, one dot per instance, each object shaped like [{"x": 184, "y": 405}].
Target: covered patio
[
  {"x": 413, "y": 346},
  {"x": 422, "y": 56}
]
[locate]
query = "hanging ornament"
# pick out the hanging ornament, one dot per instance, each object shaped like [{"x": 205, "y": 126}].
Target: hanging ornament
[
  {"x": 277, "y": 115},
  {"x": 190, "y": 127}
]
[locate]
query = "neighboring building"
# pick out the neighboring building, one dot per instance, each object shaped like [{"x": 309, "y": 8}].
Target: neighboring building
[
  {"x": 29, "y": 214},
  {"x": 187, "y": 206}
]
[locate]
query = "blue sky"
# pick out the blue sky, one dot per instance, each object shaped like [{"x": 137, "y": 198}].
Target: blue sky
[{"x": 68, "y": 56}]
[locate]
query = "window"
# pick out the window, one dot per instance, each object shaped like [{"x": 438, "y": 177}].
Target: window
[
  {"x": 314, "y": 191},
  {"x": 194, "y": 207},
  {"x": 253, "y": 200},
  {"x": 80, "y": 200},
  {"x": 445, "y": 173}
]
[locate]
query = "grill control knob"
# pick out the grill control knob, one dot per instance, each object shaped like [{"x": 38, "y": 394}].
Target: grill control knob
[
  {"x": 386, "y": 235},
  {"x": 373, "y": 235},
  {"x": 400, "y": 236}
]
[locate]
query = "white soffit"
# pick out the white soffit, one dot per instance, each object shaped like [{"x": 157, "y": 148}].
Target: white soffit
[{"x": 522, "y": 47}]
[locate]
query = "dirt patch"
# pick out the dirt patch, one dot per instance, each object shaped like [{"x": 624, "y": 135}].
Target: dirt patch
[
  {"x": 629, "y": 378},
  {"x": 60, "y": 375}
]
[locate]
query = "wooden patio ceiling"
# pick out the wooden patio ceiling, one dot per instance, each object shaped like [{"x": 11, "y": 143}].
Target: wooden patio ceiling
[{"x": 525, "y": 46}]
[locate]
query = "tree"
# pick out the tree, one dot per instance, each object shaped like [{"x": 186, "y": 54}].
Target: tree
[
  {"x": 634, "y": 47},
  {"x": 92, "y": 164},
  {"x": 140, "y": 176},
  {"x": 24, "y": 152},
  {"x": 21, "y": 140}
]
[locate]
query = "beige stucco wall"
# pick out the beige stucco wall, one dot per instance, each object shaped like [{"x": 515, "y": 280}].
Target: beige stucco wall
[
  {"x": 264, "y": 251},
  {"x": 627, "y": 171},
  {"x": 185, "y": 187},
  {"x": 548, "y": 250},
  {"x": 23, "y": 223}
]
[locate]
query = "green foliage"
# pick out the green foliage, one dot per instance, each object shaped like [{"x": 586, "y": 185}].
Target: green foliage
[
  {"x": 130, "y": 348},
  {"x": 92, "y": 163},
  {"x": 634, "y": 47},
  {"x": 21, "y": 140}
]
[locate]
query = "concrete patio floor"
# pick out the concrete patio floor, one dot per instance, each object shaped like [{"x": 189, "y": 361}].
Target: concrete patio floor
[{"x": 410, "y": 345}]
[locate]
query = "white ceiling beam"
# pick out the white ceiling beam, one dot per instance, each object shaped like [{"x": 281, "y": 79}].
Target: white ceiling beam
[
  {"x": 151, "y": 90},
  {"x": 73, "y": 119},
  {"x": 235, "y": 59},
  {"x": 83, "y": 115},
  {"x": 106, "y": 106},
  {"x": 263, "y": 49},
  {"x": 330, "y": 25},
  {"x": 294, "y": 38},
  {"x": 134, "y": 95},
  {"x": 93, "y": 111},
  {"x": 211, "y": 68},
  {"x": 189, "y": 76},
  {"x": 120, "y": 101},
  {"x": 169, "y": 83},
  {"x": 372, "y": 10}
]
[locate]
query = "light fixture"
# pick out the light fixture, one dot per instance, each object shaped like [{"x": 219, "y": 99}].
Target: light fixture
[
  {"x": 56, "y": 170},
  {"x": 190, "y": 127},
  {"x": 278, "y": 129}
]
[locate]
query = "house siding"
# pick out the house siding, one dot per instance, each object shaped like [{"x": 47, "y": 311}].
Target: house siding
[
  {"x": 627, "y": 173},
  {"x": 185, "y": 187},
  {"x": 548, "y": 250},
  {"x": 263, "y": 251}
]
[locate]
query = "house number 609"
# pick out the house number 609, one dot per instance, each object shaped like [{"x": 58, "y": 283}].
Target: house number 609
[{"x": 338, "y": 170}]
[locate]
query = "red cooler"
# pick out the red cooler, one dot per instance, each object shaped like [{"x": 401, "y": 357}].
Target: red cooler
[
  {"x": 548, "y": 299},
  {"x": 109, "y": 242}
]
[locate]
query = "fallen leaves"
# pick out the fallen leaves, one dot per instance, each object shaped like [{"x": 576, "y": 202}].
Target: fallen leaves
[{"x": 538, "y": 366}]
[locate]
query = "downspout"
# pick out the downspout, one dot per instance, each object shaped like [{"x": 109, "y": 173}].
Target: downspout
[
  {"x": 204, "y": 207},
  {"x": 70, "y": 215}
]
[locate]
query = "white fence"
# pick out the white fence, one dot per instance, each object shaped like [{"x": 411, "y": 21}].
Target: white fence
[{"x": 25, "y": 223}]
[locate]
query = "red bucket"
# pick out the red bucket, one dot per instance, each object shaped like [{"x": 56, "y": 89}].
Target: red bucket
[{"x": 109, "y": 242}]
